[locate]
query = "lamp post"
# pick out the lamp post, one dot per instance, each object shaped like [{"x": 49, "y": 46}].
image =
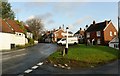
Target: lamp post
[{"x": 66, "y": 48}]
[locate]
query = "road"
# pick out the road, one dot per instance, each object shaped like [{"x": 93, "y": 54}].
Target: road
[
  {"x": 17, "y": 61},
  {"x": 110, "y": 68}
]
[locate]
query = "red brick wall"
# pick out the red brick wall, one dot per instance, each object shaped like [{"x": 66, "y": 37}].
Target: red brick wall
[
  {"x": 107, "y": 36},
  {"x": 58, "y": 34},
  {"x": 93, "y": 35}
]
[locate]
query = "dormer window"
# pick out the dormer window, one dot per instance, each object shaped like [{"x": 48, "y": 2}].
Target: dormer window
[
  {"x": 88, "y": 35},
  {"x": 98, "y": 33}
]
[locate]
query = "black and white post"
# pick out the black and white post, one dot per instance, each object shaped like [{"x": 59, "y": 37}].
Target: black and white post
[{"x": 66, "y": 48}]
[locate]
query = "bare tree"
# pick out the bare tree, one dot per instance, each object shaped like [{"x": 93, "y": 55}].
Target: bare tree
[{"x": 36, "y": 26}]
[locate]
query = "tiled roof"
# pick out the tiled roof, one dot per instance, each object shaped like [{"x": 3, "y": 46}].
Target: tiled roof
[
  {"x": 4, "y": 27},
  {"x": 14, "y": 25},
  {"x": 27, "y": 28},
  {"x": 97, "y": 26}
]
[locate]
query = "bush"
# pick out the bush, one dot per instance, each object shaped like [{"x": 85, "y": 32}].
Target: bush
[
  {"x": 20, "y": 46},
  {"x": 30, "y": 41}
]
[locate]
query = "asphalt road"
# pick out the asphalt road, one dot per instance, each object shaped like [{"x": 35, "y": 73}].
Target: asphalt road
[
  {"x": 110, "y": 68},
  {"x": 17, "y": 61}
]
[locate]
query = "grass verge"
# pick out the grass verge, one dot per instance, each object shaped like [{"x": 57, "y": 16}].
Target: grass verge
[{"x": 84, "y": 56}]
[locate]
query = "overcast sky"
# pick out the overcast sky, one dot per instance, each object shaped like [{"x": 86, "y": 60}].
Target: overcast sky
[{"x": 72, "y": 14}]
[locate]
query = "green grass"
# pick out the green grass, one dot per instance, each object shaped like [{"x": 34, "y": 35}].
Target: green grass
[{"x": 85, "y": 54}]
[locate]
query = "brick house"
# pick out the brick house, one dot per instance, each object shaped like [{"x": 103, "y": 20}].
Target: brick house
[
  {"x": 57, "y": 34},
  {"x": 100, "y": 33},
  {"x": 80, "y": 35}
]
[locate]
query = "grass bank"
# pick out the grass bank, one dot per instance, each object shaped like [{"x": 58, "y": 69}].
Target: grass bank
[{"x": 84, "y": 56}]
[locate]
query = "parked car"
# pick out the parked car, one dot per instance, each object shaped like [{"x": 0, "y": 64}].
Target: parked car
[{"x": 71, "y": 40}]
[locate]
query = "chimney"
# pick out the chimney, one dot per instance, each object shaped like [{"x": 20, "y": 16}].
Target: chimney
[
  {"x": 106, "y": 22},
  {"x": 94, "y": 22},
  {"x": 80, "y": 29},
  {"x": 63, "y": 26},
  {"x": 60, "y": 27},
  {"x": 54, "y": 30}
]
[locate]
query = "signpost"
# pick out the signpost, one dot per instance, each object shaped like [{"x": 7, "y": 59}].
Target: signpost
[{"x": 66, "y": 48}]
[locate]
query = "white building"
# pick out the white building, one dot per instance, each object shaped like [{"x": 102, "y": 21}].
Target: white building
[
  {"x": 114, "y": 43},
  {"x": 11, "y": 35},
  {"x": 28, "y": 33}
]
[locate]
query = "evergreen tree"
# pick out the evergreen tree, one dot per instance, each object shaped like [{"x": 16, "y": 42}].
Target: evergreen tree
[{"x": 6, "y": 11}]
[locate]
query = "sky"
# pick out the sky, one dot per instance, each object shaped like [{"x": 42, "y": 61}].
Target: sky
[{"x": 75, "y": 14}]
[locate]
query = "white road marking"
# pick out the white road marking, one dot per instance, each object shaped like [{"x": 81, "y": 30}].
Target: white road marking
[
  {"x": 13, "y": 51},
  {"x": 13, "y": 56},
  {"x": 41, "y": 63},
  {"x": 28, "y": 71},
  {"x": 34, "y": 67}
]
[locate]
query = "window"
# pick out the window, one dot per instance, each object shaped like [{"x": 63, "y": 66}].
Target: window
[
  {"x": 63, "y": 39},
  {"x": 98, "y": 41},
  {"x": 88, "y": 35},
  {"x": 116, "y": 46},
  {"x": 110, "y": 33},
  {"x": 98, "y": 33},
  {"x": 19, "y": 34},
  {"x": 114, "y": 33}
]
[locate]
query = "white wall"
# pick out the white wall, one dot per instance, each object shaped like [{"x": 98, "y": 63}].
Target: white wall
[
  {"x": 29, "y": 35},
  {"x": 6, "y": 39},
  {"x": 112, "y": 45}
]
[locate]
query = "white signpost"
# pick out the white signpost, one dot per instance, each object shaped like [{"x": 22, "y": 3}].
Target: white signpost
[{"x": 66, "y": 49}]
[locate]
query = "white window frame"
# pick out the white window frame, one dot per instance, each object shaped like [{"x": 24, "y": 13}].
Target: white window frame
[
  {"x": 88, "y": 35},
  {"x": 115, "y": 33},
  {"x": 98, "y": 33},
  {"x": 111, "y": 33}
]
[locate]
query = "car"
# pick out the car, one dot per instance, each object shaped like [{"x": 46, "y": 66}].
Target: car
[{"x": 71, "y": 40}]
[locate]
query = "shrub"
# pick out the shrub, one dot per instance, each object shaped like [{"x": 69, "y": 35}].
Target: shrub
[{"x": 30, "y": 41}]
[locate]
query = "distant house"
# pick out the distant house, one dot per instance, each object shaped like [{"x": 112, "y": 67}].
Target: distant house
[
  {"x": 58, "y": 34},
  {"x": 10, "y": 34},
  {"x": 28, "y": 33},
  {"x": 48, "y": 36},
  {"x": 100, "y": 33},
  {"x": 114, "y": 43},
  {"x": 80, "y": 35}
]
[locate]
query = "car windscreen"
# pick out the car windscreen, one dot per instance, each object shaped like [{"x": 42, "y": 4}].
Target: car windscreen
[{"x": 63, "y": 39}]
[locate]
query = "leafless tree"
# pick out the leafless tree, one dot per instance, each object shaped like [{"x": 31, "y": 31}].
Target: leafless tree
[{"x": 36, "y": 26}]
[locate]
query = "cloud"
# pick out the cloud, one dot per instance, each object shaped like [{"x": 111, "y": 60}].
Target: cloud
[
  {"x": 35, "y": 4},
  {"x": 50, "y": 22},
  {"x": 79, "y": 21},
  {"x": 17, "y": 10},
  {"x": 31, "y": 17},
  {"x": 63, "y": 0},
  {"x": 46, "y": 16}
]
